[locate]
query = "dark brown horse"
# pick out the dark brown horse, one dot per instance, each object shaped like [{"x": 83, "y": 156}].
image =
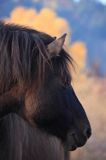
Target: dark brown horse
[{"x": 40, "y": 115}]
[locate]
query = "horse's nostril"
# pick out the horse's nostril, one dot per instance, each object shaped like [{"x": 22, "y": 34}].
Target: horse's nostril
[{"x": 87, "y": 132}]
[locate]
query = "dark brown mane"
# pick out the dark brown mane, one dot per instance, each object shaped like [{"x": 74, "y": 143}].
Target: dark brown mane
[{"x": 23, "y": 56}]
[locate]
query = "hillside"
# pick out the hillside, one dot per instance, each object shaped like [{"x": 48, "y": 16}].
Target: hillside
[{"x": 88, "y": 24}]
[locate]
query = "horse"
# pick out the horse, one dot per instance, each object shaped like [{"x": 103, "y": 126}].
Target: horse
[{"x": 40, "y": 114}]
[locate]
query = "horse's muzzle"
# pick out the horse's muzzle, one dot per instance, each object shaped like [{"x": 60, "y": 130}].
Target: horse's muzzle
[{"x": 77, "y": 139}]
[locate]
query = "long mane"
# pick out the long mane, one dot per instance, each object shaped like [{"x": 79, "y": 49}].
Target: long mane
[{"x": 23, "y": 56}]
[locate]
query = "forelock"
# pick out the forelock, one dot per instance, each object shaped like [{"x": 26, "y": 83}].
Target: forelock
[{"x": 23, "y": 57}]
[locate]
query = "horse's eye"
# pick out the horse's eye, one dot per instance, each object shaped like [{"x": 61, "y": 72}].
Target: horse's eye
[{"x": 67, "y": 82}]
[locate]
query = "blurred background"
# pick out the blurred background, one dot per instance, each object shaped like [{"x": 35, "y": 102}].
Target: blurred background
[{"x": 85, "y": 23}]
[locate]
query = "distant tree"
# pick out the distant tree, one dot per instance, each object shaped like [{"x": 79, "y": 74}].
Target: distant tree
[
  {"x": 78, "y": 51},
  {"x": 95, "y": 69},
  {"x": 45, "y": 20}
]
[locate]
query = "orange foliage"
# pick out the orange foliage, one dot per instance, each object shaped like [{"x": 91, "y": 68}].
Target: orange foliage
[
  {"x": 78, "y": 51},
  {"x": 46, "y": 20}
]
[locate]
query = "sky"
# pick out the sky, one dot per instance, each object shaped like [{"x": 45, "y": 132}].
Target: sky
[{"x": 103, "y": 1}]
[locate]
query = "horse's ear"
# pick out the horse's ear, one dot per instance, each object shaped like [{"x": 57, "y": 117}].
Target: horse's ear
[{"x": 55, "y": 47}]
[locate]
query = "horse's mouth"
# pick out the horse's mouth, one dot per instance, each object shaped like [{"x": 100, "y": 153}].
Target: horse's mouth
[
  {"x": 78, "y": 142},
  {"x": 73, "y": 148},
  {"x": 73, "y": 142}
]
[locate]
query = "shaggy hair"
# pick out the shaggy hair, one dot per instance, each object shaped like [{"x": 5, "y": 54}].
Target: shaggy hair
[
  {"x": 40, "y": 115},
  {"x": 24, "y": 56},
  {"x": 20, "y": 141}
]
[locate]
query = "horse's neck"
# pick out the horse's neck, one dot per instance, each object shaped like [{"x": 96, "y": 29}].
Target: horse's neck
[
  {"x": 8, "y": 104},
  {"x": 23, "y": 142},
  {"x": 11, "y": 102}
]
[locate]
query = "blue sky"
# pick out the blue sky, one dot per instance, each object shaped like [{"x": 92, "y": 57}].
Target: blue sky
[{"x": 103, "y": 1}]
